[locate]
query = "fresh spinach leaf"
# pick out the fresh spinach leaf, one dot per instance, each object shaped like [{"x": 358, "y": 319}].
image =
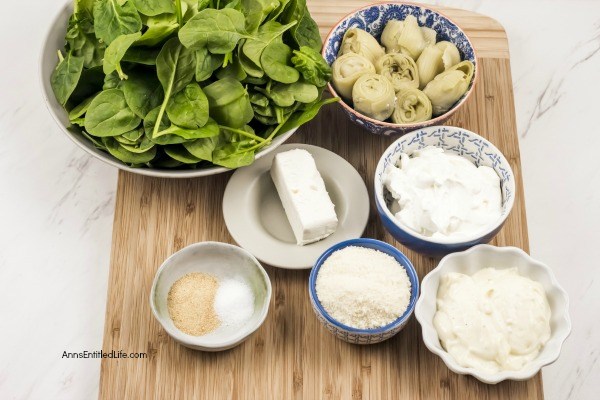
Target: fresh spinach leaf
[
  {"x": 275, "y": 59},
  {"x": 229, "y": 103},
  {"x": 81, "y": 39},
  {"x": 111, "y": 81},
  {"x": 231, "y": 156},
  {"x": 287, "y": 95},
  {"x": 121, "y": 153},
  {"x": 180, "y": 153},
  {"x": 132, "y": 137},
  {"x": 142, "y": 145},
  {"x": 78, "y": 111},
  {"x": 256, "y": 81},
  {"x": 84, "y": 8},
  {"x": 265, "y": 120},
  {"x": 65, "y": 76},
  {"x": 210, "y": 129},
  {"x": 150, "y": 123},
  {"x": 160, "y": 28},
  {"x": 304, "y": 116},
  {"x": 312, "y": 66},
  {"x": 154, "y": 7},
  {"x": 267, "y": 33},
  {"x": 256, "y": 11},
  {"x": 202, "y": 4},
  {"x": 259, "y": 99},
  {"x": 217, "y": 30},
  {"x": 306, "y": 31},
  {"x": 175, "y": 66},
  {"x": 109, "y": 115},
  {"x": 90, "y": 82},
  {"x": 252, "y": 70},
  {"x": 164, "y": 161},
  {"x": 274, "y": 15},
  {"x": 115, "y": 52},
  {"x": 233, "y": 70},
  {"x": 141, "y": 55},
  {"x": 189, "y": 107},
  {"x": 206, "y": 64},
  {"x": 202, "y": 148},
  {"x": 112, "y": 18},
  {"x": 97, "y": 142},
  {"x": 143, "y": 92}
]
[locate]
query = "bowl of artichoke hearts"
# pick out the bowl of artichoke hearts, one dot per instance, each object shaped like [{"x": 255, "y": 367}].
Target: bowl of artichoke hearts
[{"x": 399, "y": 67}]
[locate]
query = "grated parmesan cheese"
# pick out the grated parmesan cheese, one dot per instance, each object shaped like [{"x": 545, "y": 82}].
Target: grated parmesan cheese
[{"x": 363, "y": 288}]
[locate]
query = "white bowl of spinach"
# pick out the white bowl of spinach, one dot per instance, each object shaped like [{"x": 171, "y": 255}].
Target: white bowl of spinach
[{"x": 183, "y": 88}]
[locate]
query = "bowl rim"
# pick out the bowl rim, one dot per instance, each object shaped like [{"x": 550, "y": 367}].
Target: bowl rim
[
  {"x": 108, "y": 158},
  {"x": 433, "y": 121},
  {"x": 428, "y": 331},
  {"x": 378, "y": 191},
  {"x": 197, "y": 341},
  {"x": 384, "y": 248}
]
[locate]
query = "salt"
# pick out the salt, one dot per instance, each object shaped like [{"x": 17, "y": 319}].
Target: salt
[{"x": 234, "y": 302}]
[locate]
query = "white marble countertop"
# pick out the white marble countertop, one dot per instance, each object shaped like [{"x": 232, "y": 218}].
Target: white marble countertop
[{"x": 56, "y": 202}]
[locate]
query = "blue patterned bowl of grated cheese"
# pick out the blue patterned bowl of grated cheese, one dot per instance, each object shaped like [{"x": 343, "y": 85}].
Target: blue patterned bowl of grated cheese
[{"x": 363, "y": 290}]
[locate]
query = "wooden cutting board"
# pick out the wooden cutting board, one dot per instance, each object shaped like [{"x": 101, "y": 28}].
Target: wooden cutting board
[{"x": 292, "y": 356}]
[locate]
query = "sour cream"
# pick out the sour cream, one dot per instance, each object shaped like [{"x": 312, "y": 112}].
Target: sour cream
[
  {"x": 495, "y": 320},
  {"x": 443, "y": 195}
]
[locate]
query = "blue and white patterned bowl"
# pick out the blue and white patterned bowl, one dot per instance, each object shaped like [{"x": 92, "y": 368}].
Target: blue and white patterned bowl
[
  {"x": 373, "y": 19},
  {"x": 364, "y": 336},
  {"x": 463, "y": 143}
]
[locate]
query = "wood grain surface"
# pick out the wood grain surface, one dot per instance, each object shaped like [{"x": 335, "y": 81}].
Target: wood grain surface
[{"x": 292, "y": 356}]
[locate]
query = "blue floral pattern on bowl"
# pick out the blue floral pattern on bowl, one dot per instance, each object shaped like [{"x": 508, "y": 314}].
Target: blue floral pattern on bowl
[
  {"x": 463, "y": 143},
  {"x": 373, "y": 19},
  {"x": 364, "y": 336}
]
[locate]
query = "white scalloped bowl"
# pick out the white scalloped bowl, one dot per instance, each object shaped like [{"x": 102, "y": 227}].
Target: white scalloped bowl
[{"x": 472, "y": 260}]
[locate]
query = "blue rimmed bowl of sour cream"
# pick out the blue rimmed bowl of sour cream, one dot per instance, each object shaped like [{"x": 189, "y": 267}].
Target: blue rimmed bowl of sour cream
[{"x": 443, "y": 189}]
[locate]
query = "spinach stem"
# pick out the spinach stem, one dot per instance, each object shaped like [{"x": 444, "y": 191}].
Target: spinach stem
[
  {"x": 267, "y": 141},
  {"x": 163, "y": 107},
  {"x": 272, "y": 135},
  {"x": 120, "y": 72},
  {"x": 243, "y": 133},
  {"x": 178, "y": 10}
]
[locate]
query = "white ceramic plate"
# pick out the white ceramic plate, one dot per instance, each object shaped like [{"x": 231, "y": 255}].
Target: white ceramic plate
[{"x": 256, "y": 219}]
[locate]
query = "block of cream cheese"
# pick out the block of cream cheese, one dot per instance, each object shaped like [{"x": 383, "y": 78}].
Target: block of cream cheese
[{"x": 305, "y": 199}]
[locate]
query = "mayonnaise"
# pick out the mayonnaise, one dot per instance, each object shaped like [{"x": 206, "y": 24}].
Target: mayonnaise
[
  {"x": 493, "y": 321},
  {"x": 441, "y": 195}
]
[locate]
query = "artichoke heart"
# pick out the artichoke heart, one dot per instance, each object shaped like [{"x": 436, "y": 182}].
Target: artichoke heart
[
  {"x": 465, "y": 66},
  {"x": 400, "y": 69},
  {"x": 390, "y": 34},
  {"x": 405, "y": 37},
  {"x": 374, "y": 96},
  {"x": 412, "y": 106},
  {"x": 445, "y": 90},
  {"x": 450, "y": 54},
  {"x": 347, "y": 69},
  {"x": 429, "y": 64},
  {"x": 430, "y": 36},
  {"x": 361, "y": 42}
]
